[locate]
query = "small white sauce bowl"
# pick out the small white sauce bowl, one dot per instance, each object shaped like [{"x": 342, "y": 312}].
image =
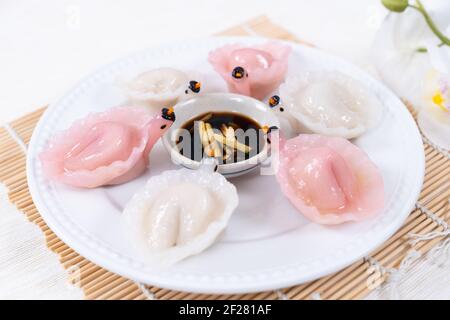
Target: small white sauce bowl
[{"x": 220, "y": 102}]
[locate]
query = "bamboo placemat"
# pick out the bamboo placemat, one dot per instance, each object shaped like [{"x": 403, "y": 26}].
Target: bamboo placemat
[{"x": 354, "y": 282}]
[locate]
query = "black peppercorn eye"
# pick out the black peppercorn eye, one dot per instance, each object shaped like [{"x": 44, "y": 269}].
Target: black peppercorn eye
[
  {"x": 163, "y": 127},
  {"x": 238, "y": 73},
  {"x": 195, "y": 86},
  {"x": 274, "y": 101},
  {"x": 168, "y": 114}
]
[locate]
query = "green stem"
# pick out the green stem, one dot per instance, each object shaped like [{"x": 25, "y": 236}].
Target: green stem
[{"x": 430, "y": 22}]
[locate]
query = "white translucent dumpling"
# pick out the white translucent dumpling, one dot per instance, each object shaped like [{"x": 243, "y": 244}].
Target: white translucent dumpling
[
  {"x": 330, "y": 103},
  {"x": 178, "y": 213},
  {"x": 157, "y": 88}
]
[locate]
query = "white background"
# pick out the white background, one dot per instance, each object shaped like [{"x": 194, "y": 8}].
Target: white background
[{"x": 48, "y": 45}]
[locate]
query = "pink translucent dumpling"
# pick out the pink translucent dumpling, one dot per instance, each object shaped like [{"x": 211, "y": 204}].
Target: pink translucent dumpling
[
  {"x": 105, "y": 148},
  {"x": 264, "y": 67},
  {"x": 329, "y": 180}
]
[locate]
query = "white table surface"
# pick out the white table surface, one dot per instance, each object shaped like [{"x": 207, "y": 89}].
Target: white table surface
[{"x": 48, "y": 45}]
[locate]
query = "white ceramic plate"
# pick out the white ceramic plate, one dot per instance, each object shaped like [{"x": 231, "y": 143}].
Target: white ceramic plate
[{"x": 267, "y": 244}]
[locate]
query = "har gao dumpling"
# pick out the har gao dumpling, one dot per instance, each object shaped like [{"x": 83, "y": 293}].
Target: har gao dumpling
[
  {"x": 329, "y": 180},
  {"x": 105, "y": 148},
  {"x": 330, "y": 103},
  {"x": 161, "y": 87},
  {"x": 252, "y": 71},
  {"x": 178, "y": 213}
]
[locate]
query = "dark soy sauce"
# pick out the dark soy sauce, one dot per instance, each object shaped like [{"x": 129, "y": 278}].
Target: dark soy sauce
[{"x": 247, "y": 131}]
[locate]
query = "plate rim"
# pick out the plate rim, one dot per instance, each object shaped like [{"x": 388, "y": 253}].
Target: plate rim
[{"x": 268, "y": 284}]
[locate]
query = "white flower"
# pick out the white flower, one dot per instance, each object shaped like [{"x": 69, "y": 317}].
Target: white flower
[
  {"x": 439, "y": 55},
  {"x": 434, "y": 114},
  {"x": 420, "y": 77}
]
